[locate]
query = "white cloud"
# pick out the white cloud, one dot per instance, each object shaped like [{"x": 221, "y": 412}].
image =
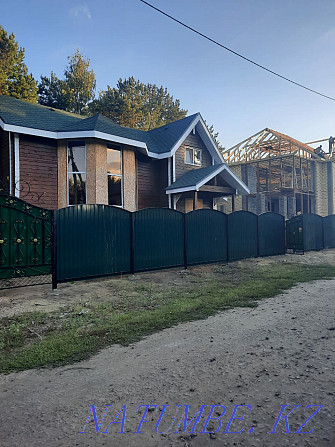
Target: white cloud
[
  {"x": 328, "y": 36},
  {"x": 80, "y": 11}
]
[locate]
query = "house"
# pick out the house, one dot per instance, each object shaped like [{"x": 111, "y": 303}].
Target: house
[
  {"x": 54, "y": 159},
  {"x": 284, "y": 175}
]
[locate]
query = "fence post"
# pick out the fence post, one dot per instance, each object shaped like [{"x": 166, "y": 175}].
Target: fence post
[
  {"x": 323, "y": 234},
  {"x": 54, "y": 250},
  {"x": 185, "y": 243},
  {"x": 132, "y": 243},
  {"x": 227, "y": 235},
  {"x": 257, "y": 235}
]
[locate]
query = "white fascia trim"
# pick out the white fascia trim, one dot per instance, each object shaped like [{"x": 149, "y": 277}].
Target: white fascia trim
[
  {"x": 197, "y": 119},
  {"x": 77, "y": 134},
  {"x": 101, "y": 135},
  {"x": 211, "y": 140},
  {"x": 27, "y": 130},
  {"x": 177, "y": 190},
  {"x": 185, "y": 134},
  {"x": 239, "y": 181},
  {"x": 199, "y": 184},
  {"x": 209, "y": 177}
]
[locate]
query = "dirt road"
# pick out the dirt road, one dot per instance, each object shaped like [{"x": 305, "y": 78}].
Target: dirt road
[{"x": 280, "y": 353}]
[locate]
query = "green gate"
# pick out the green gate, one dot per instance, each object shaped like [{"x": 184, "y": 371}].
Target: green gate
[
  {"x": 25, "y": 239},
  {"x": 294, "y": 234}
]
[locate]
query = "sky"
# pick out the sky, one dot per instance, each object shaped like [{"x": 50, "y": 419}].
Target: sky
[{"x": 124, "y": 38}]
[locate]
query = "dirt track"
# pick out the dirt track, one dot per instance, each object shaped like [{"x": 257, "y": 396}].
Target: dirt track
[{"x": 279, "y": 353}]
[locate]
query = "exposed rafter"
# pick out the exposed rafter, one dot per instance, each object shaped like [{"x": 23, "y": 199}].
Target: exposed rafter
[{"x": 269, "y": 143}]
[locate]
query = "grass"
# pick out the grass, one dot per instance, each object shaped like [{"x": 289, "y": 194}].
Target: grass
[{"x": 51, "y": 339}]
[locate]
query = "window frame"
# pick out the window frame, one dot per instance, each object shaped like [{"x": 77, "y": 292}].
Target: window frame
[
  {"x": 116, "y": 147},
  {"x": 75, "y": 172},
  {"x": 193, "y": 149}
]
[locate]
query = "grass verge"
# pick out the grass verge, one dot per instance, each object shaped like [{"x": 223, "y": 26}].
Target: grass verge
[{"x": 51, "y": 339}]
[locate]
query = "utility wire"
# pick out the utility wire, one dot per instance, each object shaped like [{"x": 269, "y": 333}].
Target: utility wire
[{"x": 234, "y": 52}]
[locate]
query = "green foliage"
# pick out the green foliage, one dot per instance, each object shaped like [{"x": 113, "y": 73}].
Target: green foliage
[
  {"x": 215, "y": 136},
  {"x": 134, "y": 104},
  {"x": 51, "y": 92},
  {"x": 14, "y": 78},
  {"x": 40, "y": 339},
  {"x": 74, "y": 92}
]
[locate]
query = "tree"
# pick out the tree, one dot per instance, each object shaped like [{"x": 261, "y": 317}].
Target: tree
[
  {"x": 80, "y": 84},
  {"x": 215, "y": 136},
  {"x": 14, "y": 78},
  {"x": 51, "y": 92},
  {"x": 134, "y": 104},
  {"x": 74, "y": 92}
]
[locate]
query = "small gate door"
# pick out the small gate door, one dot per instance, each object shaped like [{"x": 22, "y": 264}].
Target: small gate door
[
  {"x": 25, "y": 239},
  {"x": 295, "y": 234}
]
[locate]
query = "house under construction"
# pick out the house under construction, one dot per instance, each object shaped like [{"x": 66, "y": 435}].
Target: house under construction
[{"x": 284, "y": 175}]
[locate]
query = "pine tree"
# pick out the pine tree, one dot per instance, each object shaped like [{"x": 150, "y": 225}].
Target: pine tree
[
  {"x": 14, "y": 78},
  {"x": 134, "y": 104}
]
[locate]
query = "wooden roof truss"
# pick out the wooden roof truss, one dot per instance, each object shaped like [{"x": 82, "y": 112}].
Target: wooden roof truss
[{"x": 268, "y": 143}]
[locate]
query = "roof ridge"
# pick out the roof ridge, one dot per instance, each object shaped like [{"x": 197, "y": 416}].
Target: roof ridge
[{"x": 172, "y": 122}]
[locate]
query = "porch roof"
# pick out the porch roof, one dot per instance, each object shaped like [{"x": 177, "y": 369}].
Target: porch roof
[{"x": 193, "y": 180}]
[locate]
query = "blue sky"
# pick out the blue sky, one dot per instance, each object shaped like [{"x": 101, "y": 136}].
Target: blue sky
[{"x": 127, "y": 38}]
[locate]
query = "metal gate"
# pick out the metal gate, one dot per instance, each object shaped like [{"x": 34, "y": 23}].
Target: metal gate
[
  {"x": 295, "y": 234},
  {"x": 25, "y": 243}
]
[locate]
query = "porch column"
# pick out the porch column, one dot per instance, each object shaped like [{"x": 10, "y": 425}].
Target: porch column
[{"x": 195, "y": 200}]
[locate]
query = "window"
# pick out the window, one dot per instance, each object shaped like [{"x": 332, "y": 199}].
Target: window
[
  {"x": 193, "y": 156},
  {"x": 76, "y": 172},
  {"x": 114, "y": 172}
]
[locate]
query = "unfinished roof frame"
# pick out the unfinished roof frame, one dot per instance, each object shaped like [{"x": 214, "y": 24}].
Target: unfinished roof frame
[{"x": 266, "y": 144}]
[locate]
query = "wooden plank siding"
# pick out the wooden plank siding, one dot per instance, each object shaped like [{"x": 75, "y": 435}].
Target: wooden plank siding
[
  {"x": 193, "y": 141},
  {"x": 38, "y": 167},
  {"x": 151, "y": 182}
]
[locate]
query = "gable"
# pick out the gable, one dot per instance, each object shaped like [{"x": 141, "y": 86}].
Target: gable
[{"x": 191, "y": 141}]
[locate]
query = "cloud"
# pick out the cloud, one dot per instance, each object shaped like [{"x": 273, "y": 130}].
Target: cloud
[
  {"x": 80, "y": 11},
  {"x": 328, "y": 36}
]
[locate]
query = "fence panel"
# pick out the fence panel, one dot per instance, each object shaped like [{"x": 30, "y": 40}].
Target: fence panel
[
  {"x": 329, "y": 231},
  {"x": 271, "y": 234},
  {"x": 92, "y": 240},
  {"x": 158, "y": 238},
  {"x": 242, "y": 235},
  {"x": 312, "y": 232},
  {"x": 206, "y": 236}
]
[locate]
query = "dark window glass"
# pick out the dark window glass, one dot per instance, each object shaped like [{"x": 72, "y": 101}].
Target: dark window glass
[
  {"x": 77, "y": 189},
  {"x": 197, "y": 157},
  {"x": 114, "y": 190},
  {"x": 76, "y": 159}
]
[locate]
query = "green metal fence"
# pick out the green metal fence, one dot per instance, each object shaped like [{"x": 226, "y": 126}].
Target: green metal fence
[
  {"x": 25, "y": 239},
  {"x": 242, "y": 235},
  {"x": 206, "y": 236},
  {"x": 312, "y": 232},
  {"x": 329, "y": 231},
  {"x": 92, "y": 240},
  {"x": 158, "y": 238},
  {"x": 271, "y": 234},
  {"x": 97, "y": 240}
]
